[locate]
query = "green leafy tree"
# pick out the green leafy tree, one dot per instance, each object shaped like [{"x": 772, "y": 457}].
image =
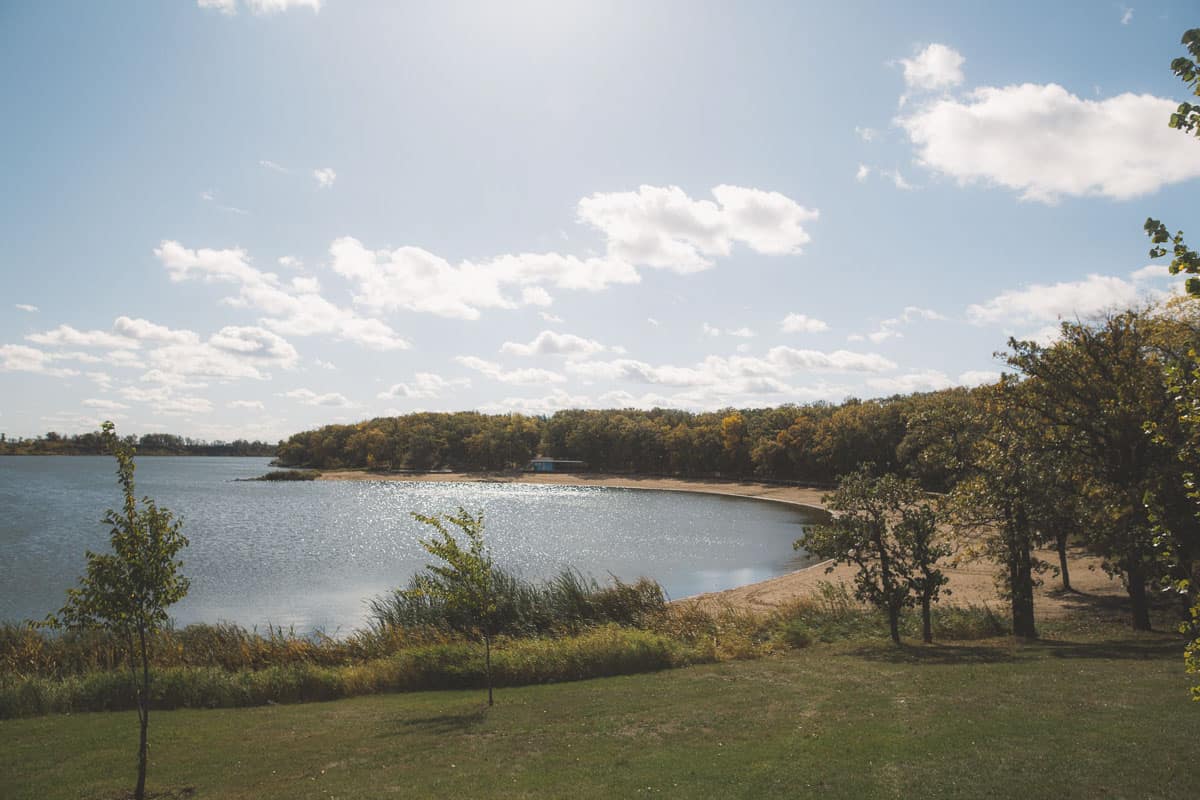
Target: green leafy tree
[
  {"x": 1011, "y": 493},
  {"x": 465, "y": 578},
  {"x": 1100, "y": 386},
  {"x": 129, "y": 590},
  {"x": 1186, "y": 118},
  {"x": 885, "y": 527}
]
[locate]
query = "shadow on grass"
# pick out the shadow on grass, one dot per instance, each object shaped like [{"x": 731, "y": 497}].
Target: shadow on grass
[
  {"x": 450, "y": 722},
  {"x": 938, "y": 654},
  {"x": 1163, "y": 646}
]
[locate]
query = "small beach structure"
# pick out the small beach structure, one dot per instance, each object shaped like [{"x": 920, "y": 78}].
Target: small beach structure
[{"x": 542, "y": 464}]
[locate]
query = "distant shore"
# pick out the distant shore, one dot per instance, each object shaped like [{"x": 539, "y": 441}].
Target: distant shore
[{"x": 971, "y": 582}]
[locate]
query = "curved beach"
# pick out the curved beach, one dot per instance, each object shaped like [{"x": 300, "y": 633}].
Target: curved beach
[{"x": 971, "y": 582}]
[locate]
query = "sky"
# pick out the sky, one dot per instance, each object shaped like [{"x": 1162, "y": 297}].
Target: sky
[{"x": 246, "y": 218}]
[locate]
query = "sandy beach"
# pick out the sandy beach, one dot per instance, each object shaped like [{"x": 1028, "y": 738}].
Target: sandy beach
[{"x": 971, "y": 582}]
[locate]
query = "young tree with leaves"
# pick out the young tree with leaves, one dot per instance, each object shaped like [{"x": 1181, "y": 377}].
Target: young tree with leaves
[
  {"x": 887, "y": 528},
  {"x": 465, "y": 580},
  {"x": 129, "y": 590}
]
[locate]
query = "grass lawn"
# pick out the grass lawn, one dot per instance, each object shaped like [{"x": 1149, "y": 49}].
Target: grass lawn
[{"x": 1097, "y": 713}]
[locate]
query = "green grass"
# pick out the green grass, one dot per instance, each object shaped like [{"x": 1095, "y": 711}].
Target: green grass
[{"x": 1098, "y": 712}]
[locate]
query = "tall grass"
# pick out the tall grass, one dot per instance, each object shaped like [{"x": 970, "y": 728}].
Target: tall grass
[
  {"x": 563, "y": 629},
  {"x": 567, "y": 603},
  {"x": 602, "y": 651}
]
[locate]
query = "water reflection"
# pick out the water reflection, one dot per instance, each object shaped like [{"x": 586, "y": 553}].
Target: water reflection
[{"x": 309, "y": 555}]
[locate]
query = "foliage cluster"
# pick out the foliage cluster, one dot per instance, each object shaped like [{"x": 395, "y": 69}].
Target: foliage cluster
[
  {"x": 812, "y": 443},
  {"x": 290, "y": 475},
  {"x": 148, "y": 444}
]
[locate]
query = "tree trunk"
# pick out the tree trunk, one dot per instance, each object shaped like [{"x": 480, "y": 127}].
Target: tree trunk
[
  {"x": 1020, "y": 571},
  {"x": 1064, "y": 569},
  {"x": 1135, "y": 579},
  {"x": 894, "y": 623},
  {"x": 926, "y": 620},
  {"x": 487, "y": 660},
  {"x": 143, "y": 698}
]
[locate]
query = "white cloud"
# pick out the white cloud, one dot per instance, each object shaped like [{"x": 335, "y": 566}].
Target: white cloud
[
  {"x": 228, "y": 7},
  {"x": 26, "y": 307},
  {"x": 1151, "y": 272},
  {"x": 557, "y": 400},
  {"x": 324, "y": 364},
  {"x": 663, "y": 227},
  {"x": 20, "y": 358},
  {"x": 66, "y": 336},
  {"x": 742, "y": 333},
  {"x": 324, "y": 177},
  {"x": 425, "y": 385},
  {"x": 259, "y": 7},
  {"x": 653, "y": 321},
  {"x": 535, "y": 296},
  {"x": 735, "y": 375},
  {"x": 104, "y": 405},
  {"x": 290, "y": 262},
  {"x": 414, "y": 279},
  {"x": 1126, "y": 15},
  {"x": 888, "y": 328},
  {"x": 934, "y": 68},
  {"x": 516, "y": 376},
  {"x": 123, "y": 358},
  {"x": 290, "y": 309},
  {"x": 978, "y": 377},
  {"x": 101, "y": 379},
  {"x": 183, "y": 406},
  {"x": 923, "y": 381},
  {"x": 557, "y": 320},
  {"x": 1045, "y": 142},
  {"x": 273, "y": 166},
  {"x": 837, "y": 361},
  {"x": 144, "y": 330},
  {"x": 170, "y": 379},
  {"x": 709, "y": 330},
  {"x": 310, "y": 398},
  {"x": 1043, "y": 303},
  {"x": 653, "y": 227},
  {"x": 802, "y": 323},
  {"x": 232, "y": 352},
  {"x": 863, "y": 172},
  {"x": 897, "y": 179},
  {"x": 248, "y": 404},
  {"x": 549, "y": 343},
  {"x": 866, "y": 134}
]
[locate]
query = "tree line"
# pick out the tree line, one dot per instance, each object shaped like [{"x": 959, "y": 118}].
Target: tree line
[
  {"x": 148, "y": 444},
  {"x": 812, "y": 443}
]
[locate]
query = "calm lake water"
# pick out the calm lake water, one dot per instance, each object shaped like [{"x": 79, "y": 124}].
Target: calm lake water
[{"x": 310, "y": 554}]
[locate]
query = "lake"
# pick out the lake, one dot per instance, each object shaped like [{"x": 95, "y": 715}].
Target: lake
[{"x": 310, "y": 554}]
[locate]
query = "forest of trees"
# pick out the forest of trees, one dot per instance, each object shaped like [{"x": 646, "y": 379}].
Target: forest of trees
[
  {"x": 148, "y": 444},
  {"x": 812, "y": 443}
]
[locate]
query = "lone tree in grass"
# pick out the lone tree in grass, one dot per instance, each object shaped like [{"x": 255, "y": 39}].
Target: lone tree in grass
[
  {"x": 465, "y": 580},
  {"x": 886, "y": 527},
  {"x": 129, "y": 590}
]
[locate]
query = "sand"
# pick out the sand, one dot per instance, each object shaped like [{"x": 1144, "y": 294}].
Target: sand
[{"x": 972, "y": 582}]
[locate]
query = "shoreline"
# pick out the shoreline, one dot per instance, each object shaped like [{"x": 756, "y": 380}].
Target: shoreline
[{"x": 972, "y": 582}]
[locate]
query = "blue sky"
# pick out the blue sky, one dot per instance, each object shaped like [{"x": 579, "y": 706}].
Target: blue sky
[{"x": 251, "y": 217}]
